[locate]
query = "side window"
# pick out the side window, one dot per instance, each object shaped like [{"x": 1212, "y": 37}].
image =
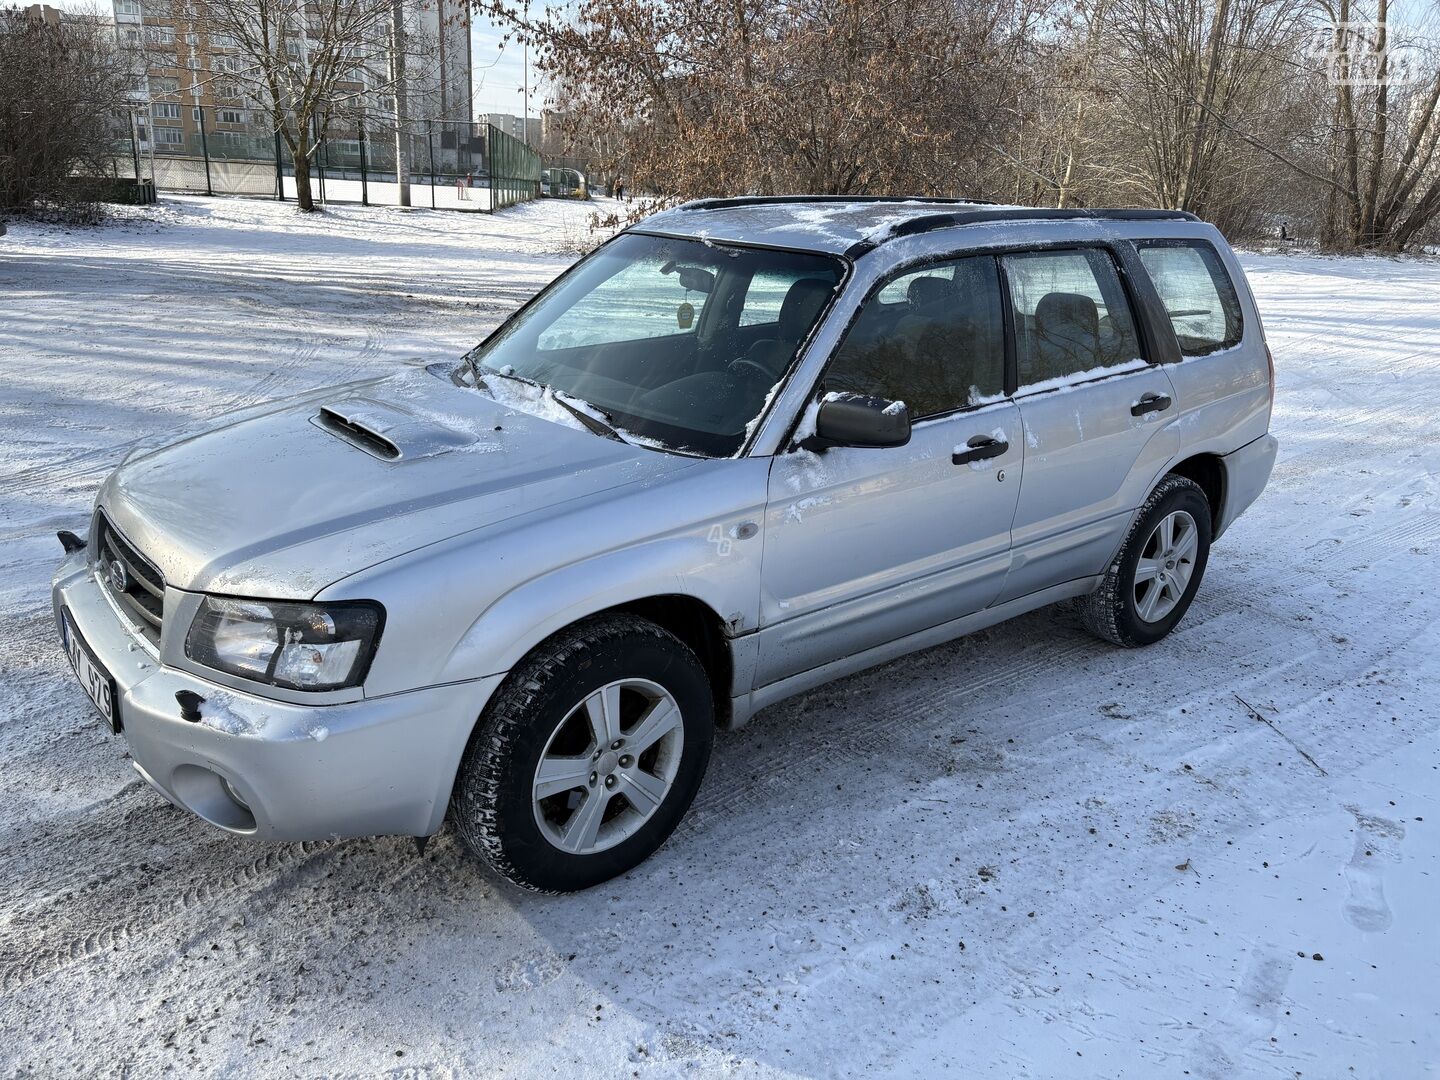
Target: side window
[
  {"x": 898, "y": 291},
  {"x": 640, "y": 301},
  {"x": 1071, "y": 315},
  {"x": 1197, "y": 293},
  {"x": 938, "y": 345}
]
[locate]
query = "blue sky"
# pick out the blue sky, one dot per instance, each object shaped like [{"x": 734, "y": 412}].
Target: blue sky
[{"x": 496, "y": 70}]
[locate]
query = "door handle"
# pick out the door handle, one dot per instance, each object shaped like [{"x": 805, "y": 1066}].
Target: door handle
[
  {"x": 979, "y": 448},
  {"x": 1149, "y": 403}
]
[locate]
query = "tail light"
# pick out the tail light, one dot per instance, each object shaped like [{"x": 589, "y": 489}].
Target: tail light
[{"x": 1270, "y": 363}]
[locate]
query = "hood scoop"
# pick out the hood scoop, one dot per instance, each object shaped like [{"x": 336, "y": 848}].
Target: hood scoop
[{"x": 388, "y": 432}]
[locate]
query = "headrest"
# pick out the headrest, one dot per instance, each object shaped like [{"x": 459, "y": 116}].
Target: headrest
[
  {"x": 1062, "y": 311},
  {"x": 802, "y": 303},
  {"x": 924, "y": 291}
]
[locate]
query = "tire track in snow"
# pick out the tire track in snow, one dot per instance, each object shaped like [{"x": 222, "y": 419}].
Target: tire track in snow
[
  {"x": 101, "y": 459},
  {"x": 1415, "y": 530},
  {"x": 30, "y": 964}
]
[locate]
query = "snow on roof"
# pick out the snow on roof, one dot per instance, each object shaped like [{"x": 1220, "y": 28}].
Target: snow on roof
[
  {"x": 838, "y": 223},
  {"x": 833, "y": 225}
]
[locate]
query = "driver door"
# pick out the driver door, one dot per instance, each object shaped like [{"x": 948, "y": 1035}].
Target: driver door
[{"x": 867, "y": 545}]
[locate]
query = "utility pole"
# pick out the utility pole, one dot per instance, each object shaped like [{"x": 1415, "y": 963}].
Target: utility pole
[
  {"x": 397, "y": 76},
  {"x": 525, "y": 123}
]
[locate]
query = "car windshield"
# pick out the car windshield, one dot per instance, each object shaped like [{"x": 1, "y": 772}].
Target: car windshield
[{"x": 676, "y": 341}]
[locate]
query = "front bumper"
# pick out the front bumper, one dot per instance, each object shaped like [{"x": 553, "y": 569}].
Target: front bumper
[{"x": 271, "y": 769}]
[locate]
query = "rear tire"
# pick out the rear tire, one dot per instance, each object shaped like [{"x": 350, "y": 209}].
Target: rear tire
[
  {"x": 587, "y": 757},
  {"x": 1151, "y": 582}
]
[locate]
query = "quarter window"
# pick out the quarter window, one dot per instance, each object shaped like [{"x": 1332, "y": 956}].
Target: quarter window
[
  {"x": 1197, "y": 292},
  {"x": 931, "y": 338},
  {"x": 1071, "y": 316}
]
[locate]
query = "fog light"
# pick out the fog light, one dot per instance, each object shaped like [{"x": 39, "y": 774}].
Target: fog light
[{"x": 229, "y": 789}]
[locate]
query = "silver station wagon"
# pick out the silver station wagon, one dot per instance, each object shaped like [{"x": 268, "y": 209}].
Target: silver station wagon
[{"x": 745, "y": 447}]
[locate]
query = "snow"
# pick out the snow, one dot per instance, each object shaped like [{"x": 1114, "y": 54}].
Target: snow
[
  {"x": 1064, "y": 383},
  {"x": 984, "y": 464},
  {"x": 1025, "y": 853},
  {"x": 233, "y": 714}
]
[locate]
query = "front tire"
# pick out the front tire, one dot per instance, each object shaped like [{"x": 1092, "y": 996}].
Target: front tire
[
  {"x": 1157, "y": 572},
  {"x": 587, "y": 757}
]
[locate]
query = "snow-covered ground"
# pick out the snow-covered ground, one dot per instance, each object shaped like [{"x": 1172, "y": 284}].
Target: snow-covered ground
[{"x": 1025, "y": 853}]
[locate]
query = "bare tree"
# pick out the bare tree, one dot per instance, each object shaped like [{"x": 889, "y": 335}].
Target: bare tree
[
  {"x": 61, "y": 82},
  {"x": 1190, "y": 74},
  {"x": 1224, "y": 108},
  {"x": 1384, "y": 180},
  {"x": 826, "y": 96},
  {"x": 1219, "y": 107},
  {"x": 397, "y": 87},
  {"x": 312, "y": 62}
]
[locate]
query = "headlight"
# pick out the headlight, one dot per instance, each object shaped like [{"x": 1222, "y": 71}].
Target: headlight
[{"x": 300, "y": 646}]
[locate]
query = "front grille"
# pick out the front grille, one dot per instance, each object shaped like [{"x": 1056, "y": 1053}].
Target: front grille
[{"x": 131, "y": 579}]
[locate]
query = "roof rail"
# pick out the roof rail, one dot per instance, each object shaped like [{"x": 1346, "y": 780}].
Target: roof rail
[
  {"x": 930, "y": 222},
  {"x": 780, "y": 200}
]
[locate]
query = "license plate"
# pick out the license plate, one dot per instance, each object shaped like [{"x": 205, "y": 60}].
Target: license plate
[{"x": 92, "y": 675}]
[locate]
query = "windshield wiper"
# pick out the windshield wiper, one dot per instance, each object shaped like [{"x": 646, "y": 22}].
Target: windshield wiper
[
  {"x": 592, "y": 423},
  {"x": 481, "y": 384}
]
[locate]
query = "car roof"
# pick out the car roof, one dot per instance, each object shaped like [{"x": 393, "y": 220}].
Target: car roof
[{"x": 851, "y": 225}]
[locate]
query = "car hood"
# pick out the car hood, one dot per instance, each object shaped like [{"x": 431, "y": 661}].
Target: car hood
[{"x": 297, "y": 495}]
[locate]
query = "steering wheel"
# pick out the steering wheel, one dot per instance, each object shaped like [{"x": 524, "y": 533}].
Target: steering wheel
[{"x": 747, "y": 368}]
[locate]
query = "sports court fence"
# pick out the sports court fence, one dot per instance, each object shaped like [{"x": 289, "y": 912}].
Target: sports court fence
[{"x": 221, "y": 150}]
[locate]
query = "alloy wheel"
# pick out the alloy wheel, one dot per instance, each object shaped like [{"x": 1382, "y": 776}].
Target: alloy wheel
[
  {"x": 608, "y": 766},
  {"x": 1167, "y": 562}
]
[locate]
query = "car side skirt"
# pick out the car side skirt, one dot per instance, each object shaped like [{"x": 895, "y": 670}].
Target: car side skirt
[{"x": 747, "y": 705}]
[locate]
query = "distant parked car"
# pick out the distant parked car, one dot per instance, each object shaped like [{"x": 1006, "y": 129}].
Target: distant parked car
[{"x": 746, "y": 447}]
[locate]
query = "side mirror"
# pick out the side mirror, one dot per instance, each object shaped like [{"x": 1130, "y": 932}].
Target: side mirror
[{"x": 859, "y": 420}]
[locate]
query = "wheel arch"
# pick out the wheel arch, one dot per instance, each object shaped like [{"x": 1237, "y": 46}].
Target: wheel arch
[
  {"x": 1207, "y": 471},
  {"x": 693, "y": 619},
  {"x": 701, "y": 628}
]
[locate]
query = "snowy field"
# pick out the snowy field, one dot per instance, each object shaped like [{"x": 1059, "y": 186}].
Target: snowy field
[{"x": 1022, "y": 854}]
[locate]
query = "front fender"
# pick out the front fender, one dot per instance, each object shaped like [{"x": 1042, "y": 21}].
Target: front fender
[
  {"x": 724, "y": 577},
  {"x": 473, "y": 605}
]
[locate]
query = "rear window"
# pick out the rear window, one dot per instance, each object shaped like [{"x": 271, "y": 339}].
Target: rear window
[{"x": 1197, "y": 293}]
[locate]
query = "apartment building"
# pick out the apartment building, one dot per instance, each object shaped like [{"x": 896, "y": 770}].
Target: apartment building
[
  {"x": 526, "y": 129},
  {"x": 190, "y": 100}
]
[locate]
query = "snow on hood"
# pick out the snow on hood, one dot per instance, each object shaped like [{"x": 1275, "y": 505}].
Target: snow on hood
[{"x": 278, "y": 505}]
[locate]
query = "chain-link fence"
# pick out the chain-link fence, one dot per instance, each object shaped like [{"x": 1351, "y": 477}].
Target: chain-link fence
[{"x": 220, "y": 150}]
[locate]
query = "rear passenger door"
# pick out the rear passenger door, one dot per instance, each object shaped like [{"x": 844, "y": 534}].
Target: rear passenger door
[{"x": 1093, "y": 406}]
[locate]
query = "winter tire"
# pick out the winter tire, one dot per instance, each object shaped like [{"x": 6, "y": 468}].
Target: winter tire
[
  {"x": 587, "y": 757},
  {"x": 1152, "y": 580}
]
